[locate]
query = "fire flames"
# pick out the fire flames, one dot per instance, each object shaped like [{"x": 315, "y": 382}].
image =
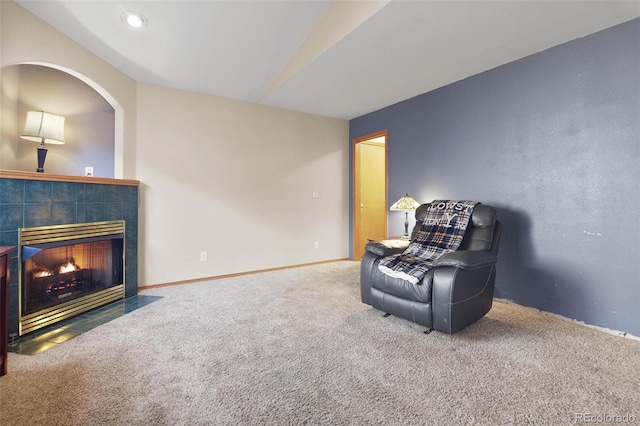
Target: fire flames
[
  {"x": 61, "y": 269},
  {"x": 68, "y": 267}
]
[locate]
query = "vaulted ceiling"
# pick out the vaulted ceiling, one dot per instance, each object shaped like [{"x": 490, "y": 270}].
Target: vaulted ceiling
[{"x": 334, "y": 58}]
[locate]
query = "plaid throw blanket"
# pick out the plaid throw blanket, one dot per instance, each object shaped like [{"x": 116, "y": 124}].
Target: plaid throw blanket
[{"x": 442, "y": 231}]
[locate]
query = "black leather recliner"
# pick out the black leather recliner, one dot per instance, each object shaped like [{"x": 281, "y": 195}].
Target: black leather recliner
[{"x": 456, "y": 292}]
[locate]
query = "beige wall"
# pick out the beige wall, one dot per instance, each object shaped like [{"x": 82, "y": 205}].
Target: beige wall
[
  {"x": 9, "y": 83},
  {"x": 2, "y": 154},
  {"x": 27, "y": 39},
  {"x": 236, "y": 180},
  {"x": 230, "y": 178},
  {"x": 89, "y": 122}
]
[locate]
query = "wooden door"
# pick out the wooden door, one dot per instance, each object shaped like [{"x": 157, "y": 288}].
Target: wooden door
[{"x": 370, "y": 191}]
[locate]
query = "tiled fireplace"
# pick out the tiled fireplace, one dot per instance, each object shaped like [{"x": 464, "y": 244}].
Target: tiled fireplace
[{"x": 44, "y": 202}]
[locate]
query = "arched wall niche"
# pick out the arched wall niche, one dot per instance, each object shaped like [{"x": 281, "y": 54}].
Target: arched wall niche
[{"x": 94, "y": 128}]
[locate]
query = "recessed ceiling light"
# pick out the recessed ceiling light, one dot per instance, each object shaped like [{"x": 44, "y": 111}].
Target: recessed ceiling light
[{"x": 134, "y": 19}]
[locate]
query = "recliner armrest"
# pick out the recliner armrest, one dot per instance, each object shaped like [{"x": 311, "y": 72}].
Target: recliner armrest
[
  {"x": 467, "y": 259},
  {"x": 386, "y": 247}
]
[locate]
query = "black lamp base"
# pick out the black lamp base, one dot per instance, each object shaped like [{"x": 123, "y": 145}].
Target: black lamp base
[
  {"x": 42, "y": 155},
  {"x": 406, "y": 225}
]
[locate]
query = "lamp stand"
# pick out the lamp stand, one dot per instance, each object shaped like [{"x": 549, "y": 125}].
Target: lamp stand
[
  {"x": 42, "y": 155},
  {"x": 405, "y": 204},
  {"x": 406, "y": 225}
]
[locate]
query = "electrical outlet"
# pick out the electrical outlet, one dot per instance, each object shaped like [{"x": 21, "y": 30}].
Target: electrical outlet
[
  {"x": 317, "y": 244},
  {"x": 315, "y": 194},
  {"x": 203, "y": 256},
  {"x": 88, "y": 171}
]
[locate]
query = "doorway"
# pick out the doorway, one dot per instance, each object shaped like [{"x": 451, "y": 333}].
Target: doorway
[{"x": 369, "y": 190}]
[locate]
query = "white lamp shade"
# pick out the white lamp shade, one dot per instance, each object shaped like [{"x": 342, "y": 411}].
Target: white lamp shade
[{"x": 44, "y": 127}]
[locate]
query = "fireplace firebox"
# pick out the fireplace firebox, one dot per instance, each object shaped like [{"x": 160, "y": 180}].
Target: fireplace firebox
[{"x": 66, "y": 270}]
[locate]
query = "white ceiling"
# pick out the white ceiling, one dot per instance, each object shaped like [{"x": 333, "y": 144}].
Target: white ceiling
[{"x": 334, "y": 58}]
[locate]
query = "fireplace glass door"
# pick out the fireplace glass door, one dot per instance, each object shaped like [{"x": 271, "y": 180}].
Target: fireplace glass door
[
  {"x": 66, "y": 270},
  {"x": 53, "y": 275}
]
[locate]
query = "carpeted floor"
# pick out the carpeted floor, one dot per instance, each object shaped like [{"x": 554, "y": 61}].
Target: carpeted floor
[{"x": 298, "y": 347}]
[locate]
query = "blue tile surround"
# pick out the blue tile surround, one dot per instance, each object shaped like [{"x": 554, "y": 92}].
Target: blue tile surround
[{"x": 25, "y": 203}]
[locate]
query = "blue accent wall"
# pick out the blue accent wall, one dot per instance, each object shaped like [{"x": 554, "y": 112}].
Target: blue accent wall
[{"x": 553, "y": 142}]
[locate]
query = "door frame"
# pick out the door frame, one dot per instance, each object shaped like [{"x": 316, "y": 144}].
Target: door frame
[{"x": 355, "y": 199}]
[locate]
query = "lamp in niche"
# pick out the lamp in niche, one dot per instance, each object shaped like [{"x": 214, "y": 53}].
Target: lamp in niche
[
  {"x": 405, "y": 204},
  {"x": 44, "y": 128}
]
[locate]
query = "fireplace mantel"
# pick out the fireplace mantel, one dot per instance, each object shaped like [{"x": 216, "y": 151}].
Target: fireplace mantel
[{"x": 18, "y": 174}]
